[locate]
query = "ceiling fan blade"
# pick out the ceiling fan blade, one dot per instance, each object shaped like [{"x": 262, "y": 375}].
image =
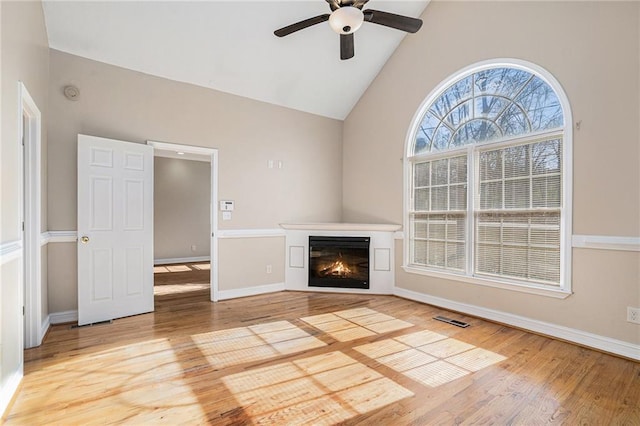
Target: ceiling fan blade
[
  {"x": 399, "y": 22},
  {"x": 359, "y": 3},
  {"x": 301, "y": 25},
  {"x": 346, "y": 46},
  {"x": 334, "y": 4}
]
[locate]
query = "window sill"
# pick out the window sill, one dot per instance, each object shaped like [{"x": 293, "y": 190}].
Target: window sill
[{"x": 522, "y": 288}]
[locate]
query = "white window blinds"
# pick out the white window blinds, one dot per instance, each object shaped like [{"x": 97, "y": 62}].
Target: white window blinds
[
  {"x": 518, "y": 220},
  {"x": 439, "y": 213}
]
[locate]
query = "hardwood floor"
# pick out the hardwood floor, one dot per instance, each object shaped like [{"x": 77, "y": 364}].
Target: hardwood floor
[{"x": 310, "y": 358}]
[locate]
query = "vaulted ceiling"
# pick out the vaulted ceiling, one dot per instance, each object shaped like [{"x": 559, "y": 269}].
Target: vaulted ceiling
[{"x": 230, "y": 46}]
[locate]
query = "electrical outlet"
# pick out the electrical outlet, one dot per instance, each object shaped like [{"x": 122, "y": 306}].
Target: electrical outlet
[
  {"x": 633, "y": 315},
  {"x": 269, "y": 270},
  {"x": 193, "y": 247}
]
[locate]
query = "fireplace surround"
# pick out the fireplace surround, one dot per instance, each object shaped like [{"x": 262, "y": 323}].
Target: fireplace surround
[{"x": 381, "y": 254}]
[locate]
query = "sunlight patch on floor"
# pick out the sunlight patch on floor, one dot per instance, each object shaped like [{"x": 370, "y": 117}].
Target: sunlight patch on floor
[
  {"x": 323, "y": 389},
  {"x": 165, "y": 289},
  {"x": 138, "y": 375},
  {"x": 430, "y": 358},
  {"x": 182, "y": 267},
  {"x": 352, "y": 324},
  {"x": 239, "y": 345},
  {"x": 202, "y": 266}
]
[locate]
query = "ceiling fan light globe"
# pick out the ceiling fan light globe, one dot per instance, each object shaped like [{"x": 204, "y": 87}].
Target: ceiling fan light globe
[{"x": 346, "y": 20}]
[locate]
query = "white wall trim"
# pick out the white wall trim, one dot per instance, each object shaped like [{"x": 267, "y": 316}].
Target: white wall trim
[
  {"x": 169, "y": 261},
  {"x": 10, "y": 251},
  {"x": 9, "y": 389},
  {"x": 30, "y": 130},
  {"x": 251, "y": 233},
  {"x": 58, "y": 237},
  {"x": 341, "y": 226},
  {"x": 606, "y": 242},
  {"x": 63, "y": 317},
  {"x": 44, "y": 328},
  {"x": 580, "y": 337},
  {"x": 250, "y": 291},
  {"x": 187, "y": 149}
]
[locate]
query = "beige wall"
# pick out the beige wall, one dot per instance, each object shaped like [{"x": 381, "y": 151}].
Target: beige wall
[
  {"x": 181, "y": 206},
  {"x": 243, "y": 262},
  {"x": 63, "y": 276},
  {"x": 592, "y": 49},
  {"x": 127, "y": 105},
  {"x": 24, "y": 57}
]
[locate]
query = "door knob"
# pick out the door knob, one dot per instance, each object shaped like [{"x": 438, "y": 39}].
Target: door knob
[{"x": 84, "y": 239}]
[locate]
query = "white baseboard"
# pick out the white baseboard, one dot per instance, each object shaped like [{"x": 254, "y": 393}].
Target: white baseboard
[
  {"x": 44, "y": 328},
  {"x": 62, "y": 317},
  {"x": 181, "y": 260},
  {"x": 595, "y": 341},
  {"x": 9, "y": 389},
  {"x": 250, "y": 291}
]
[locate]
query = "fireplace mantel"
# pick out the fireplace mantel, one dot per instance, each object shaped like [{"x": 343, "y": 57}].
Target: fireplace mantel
[{"x": 338, "y": 226}]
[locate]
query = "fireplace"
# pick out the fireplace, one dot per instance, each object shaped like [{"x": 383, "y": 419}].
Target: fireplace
[{"x": 339, "y": 262}]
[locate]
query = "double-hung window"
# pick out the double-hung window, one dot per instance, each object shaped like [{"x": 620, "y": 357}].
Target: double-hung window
[{"x": 488, "y": 183}]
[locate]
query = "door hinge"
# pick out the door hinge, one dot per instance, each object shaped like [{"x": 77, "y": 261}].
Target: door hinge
[
  {"x": 22, "y": 226},
  {"x": 23, "y": 311}
]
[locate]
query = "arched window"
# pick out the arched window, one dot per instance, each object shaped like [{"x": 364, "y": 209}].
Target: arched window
[{"x": 488, "y": 183}]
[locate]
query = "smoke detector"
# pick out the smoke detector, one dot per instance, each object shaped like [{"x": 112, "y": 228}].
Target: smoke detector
[{"x": 71, "y": 92}]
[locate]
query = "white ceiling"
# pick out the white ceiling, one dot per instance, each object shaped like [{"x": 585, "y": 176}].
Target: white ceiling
[{"x": 230, "y": 46}]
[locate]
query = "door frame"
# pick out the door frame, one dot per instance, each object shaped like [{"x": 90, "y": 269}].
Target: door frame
[
  {"x": 212, "y": 153},
  {"x": 31, "y": 206}
]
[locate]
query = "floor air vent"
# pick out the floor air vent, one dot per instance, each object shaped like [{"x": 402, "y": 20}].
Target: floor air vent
[{"x": 452, "y": 321}]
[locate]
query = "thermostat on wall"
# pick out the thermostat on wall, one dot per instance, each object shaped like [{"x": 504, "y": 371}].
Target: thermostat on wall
[{"x": 226, "y": 206}]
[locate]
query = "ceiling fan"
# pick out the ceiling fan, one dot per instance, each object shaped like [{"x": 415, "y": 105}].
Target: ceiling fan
[{"x": 347, "y": 16}]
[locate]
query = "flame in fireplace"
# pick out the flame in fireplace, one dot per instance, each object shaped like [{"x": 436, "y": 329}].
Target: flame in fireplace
[{"x": 336, "y": 269}]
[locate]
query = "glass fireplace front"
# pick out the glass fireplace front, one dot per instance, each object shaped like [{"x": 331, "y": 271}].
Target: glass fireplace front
[{"x": 339, "y": 262}]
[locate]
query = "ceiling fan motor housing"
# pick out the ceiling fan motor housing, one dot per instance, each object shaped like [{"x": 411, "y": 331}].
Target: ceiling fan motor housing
[{"x": 346, "y": 20}]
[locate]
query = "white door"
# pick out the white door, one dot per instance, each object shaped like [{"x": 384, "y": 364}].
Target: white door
[{"x": 115, "y": 229}]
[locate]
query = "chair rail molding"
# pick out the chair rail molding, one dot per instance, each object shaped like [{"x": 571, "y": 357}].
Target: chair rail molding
[
  {"x": 58, "y": 237},
  {"x": 250, "y": 233},
  {"x": 606, "y": 242},
  {"x": 10, "y": 251}
]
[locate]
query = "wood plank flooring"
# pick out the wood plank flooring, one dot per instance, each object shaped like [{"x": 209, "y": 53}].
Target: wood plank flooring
[{"x": 311, "y": 358}]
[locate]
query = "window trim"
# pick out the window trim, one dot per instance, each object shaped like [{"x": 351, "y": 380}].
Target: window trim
[{"x": 565, "y": 288}]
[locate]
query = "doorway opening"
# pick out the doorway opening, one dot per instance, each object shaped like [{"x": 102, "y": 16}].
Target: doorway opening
[{"x": 185, "y": 222}]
